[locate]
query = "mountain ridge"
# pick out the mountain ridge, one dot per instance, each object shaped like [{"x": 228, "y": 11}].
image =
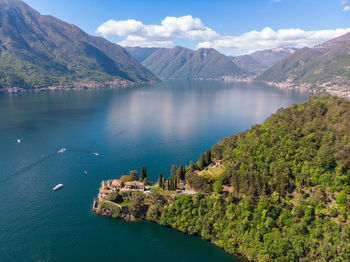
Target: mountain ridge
[
  {"x": 322, "y": 68},
  {"x": 184, "y": 63},
  {"x": 41, "y": 50}
]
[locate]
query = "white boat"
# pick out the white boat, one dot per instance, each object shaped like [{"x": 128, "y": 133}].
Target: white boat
[
  {"x": 96, "y": 154},
  {"x": 18, "y": 141},
  {"x": 62, "y": 150},
  {"x": 57, "y": 187}
]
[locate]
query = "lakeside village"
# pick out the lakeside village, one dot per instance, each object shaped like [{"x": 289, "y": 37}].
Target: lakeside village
[{"x": 131, "y": 196}]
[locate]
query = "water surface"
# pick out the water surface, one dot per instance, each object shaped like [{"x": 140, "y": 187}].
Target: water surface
[{"x": 159, "y": 125}]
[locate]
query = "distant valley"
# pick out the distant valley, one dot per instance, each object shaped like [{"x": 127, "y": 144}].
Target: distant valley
[
  {"x": 259, "y": 61},
  {"x": 184, "y": 63}
]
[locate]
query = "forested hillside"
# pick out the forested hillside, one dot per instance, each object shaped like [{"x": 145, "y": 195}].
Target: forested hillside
[
  {"x": 40, "y": 50},
  {"x": 183, "y": 63},
  {"x": 283, "y": 190},
  {"x": 324, "y": 67}
]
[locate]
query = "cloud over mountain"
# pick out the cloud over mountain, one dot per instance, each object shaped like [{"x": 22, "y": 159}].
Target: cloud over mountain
[
  {"x": 138, "y": 34},
  {"x": 268, "y": 38},
  {"x": 187, "y": 27}
]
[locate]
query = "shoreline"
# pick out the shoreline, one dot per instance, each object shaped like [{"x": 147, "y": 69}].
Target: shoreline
[
  {"x": 84, "y": 85},
  {"x": 334, "y": 90},
  {"x": 104, "y": 212}
]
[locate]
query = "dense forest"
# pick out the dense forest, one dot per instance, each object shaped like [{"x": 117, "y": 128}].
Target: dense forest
[{"x": 279, "y": 191}]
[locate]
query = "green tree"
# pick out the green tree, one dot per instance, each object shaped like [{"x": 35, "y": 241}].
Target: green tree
[
  {"x": 134, "y": 175},
  {"x": 160, "y": 180},
  {"x": 143, "y": 173},
  {"x": 217, "y": 186}
]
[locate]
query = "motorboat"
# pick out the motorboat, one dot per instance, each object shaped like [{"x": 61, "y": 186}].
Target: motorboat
[
  {"x": 18, "y": 141},
  {"x": 59, "y": 186},
  {"x": 62, "y": 150},
  {"x": 96, "y": 154}
]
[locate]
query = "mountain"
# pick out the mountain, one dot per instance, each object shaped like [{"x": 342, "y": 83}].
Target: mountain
[
  {"x": 183, "y": 63},
  {"x": 325, "y": 67},
  {"x": 141, "y": 53},
  {"x": 262, "y": 60},
  {"x": 40, "y": 50}
]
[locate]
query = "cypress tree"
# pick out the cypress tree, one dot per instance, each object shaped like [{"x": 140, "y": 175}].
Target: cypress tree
[
  {"x": 163, "y": 183},
  {"x": 182, "y": 173},
  {"x": 160, "y": 180},
  {"x": 178, "y": 173},
  {"x": 173, "y": 170},
  {"x": 143, "y": 173}
]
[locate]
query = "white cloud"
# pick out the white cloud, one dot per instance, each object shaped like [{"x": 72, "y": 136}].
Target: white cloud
[
  {"x": 138, "y": 34},
  {"x": 347, "y": 8},
  {"x": 135, "y": 33},
  {"x": 268, "y": 38}
]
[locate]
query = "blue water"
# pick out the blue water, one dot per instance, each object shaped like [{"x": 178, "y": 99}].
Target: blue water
[{"x": 167, "y": 123}]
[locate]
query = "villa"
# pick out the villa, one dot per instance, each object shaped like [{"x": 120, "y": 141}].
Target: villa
[
  {"x": 135, "y": 185},
  {"x": 103, "y": 192},
  {"x": 117, "y": 184}
]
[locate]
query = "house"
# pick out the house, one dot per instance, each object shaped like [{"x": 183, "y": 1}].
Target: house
[
  {"x": 117, "y": 184},
  {"x": 103, "y": 192},
  {"x": 135, "y": 185}
]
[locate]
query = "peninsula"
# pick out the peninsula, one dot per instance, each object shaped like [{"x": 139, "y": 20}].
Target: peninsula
[{"x": 279, "y": 191}]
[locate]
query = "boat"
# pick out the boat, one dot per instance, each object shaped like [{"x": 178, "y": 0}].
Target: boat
[
  {"x": 18, "y": 141},
  {"x": 62, "y": 150},
  {"x": 57, "y": 187},
  {"x": 96, "y": 154},
  {"x": 85, "y": 172}
]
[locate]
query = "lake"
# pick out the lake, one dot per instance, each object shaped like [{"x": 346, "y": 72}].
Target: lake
[{"x": 158, "y": 125}]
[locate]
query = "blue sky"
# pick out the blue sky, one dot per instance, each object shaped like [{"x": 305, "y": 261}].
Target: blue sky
[{"x": 220, "y": 24}]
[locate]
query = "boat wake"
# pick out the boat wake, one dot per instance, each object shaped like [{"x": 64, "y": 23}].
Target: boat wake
[{"x": 28, "y": 167}]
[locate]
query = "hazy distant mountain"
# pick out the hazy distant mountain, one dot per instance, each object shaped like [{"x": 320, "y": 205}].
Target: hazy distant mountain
[
  {"x": 262, "y": 60},
  {"x": 141, "y": 53},
  {"x": 324, "y": 67},
  {"x": 183, "y": 63},
  {"x": 39, "y": 50}
]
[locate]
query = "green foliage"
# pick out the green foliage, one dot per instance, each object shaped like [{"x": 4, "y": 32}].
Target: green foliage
[
  {"x": 112, "y": 196},
  {"x": 143, "y": 173},
  {"x": 294, "y": 148},
  {"x": 217, "y": 186},
  {"x": 285, "y": 174},
  {"x": 183, "y": 63},
  {"x": 315, "y": 66}
]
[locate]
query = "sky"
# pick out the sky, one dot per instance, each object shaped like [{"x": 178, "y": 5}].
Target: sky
[{"x": 233, "y": 27}]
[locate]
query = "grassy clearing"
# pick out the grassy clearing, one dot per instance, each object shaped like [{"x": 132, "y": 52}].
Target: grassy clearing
[{"x": 211, "y": 173}]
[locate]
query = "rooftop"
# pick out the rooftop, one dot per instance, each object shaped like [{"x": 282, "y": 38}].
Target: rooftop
[
  {"x": 134, "y": 183},
  {"x": 117, "y": 182}
]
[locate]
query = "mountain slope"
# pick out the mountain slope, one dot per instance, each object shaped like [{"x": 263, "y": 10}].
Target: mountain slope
[
  {"x": 39, "y": 50},
  {"x": 141, "y": 53},
  {"x": 262, "y": 60},
  {"x": 184, "y": 63},
  {"x": 277, "y": 192},
  {"x": 285, "y": 188},
  {"x": 324, "y": 67}
]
